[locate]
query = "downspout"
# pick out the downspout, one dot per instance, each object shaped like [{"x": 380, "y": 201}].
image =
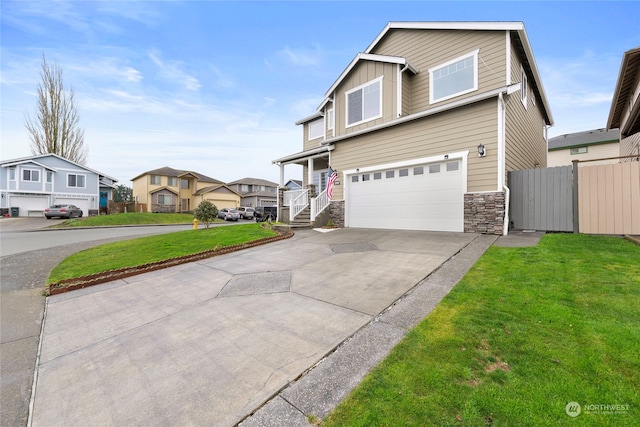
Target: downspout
[{"x": 502, "y": 137}]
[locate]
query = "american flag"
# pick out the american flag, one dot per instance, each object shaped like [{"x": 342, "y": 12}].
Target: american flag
[{"x": 333, "y": 175}]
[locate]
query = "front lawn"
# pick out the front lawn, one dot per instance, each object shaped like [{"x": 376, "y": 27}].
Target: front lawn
[
  {"x": 525, "y": 333},
  {"x": 143, "y": 250},
  {"x": 129, "y": 219}
]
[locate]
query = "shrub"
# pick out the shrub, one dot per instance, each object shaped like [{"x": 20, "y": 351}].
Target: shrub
[{"x": 206, "y": 212}]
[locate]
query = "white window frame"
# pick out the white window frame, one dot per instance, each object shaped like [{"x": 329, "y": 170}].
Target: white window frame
[
  {"x": 31, "y": 171},
  {"x": 331, "y": 119},
  {"x": 12, "y": 174},
  {"x": 84, "y": 180},
  {"x": 362, "y": 88},
  {"x": 152, "y": 178},
  {"x": 474, "y": 55},
  {"x": 164, "y": 196},
  {"x": 316, "y": 128},
  {"x": 172, "y": 181},
  {"x": 524, "y": 87},
  {"x": 49, "y": 177}
]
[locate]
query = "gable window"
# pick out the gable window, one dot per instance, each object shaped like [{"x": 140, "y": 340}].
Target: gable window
[
  {"x": 316, "y": 128},
  {"x": 165, "y": 199},
  {"x": 74, "y": 180},
  {"x": 364, "y": 103},
  {"x": 173, "y": 181},
  {"x": 30, "y": 175},
  {"x": 184, "y": 184},
  {"x": 155, "y": 180},
  {"x": 454, "y": 78},
  {"x": 524, "y": 88}
]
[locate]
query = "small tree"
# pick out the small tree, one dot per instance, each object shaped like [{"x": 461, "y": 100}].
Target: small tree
[
  {"x": 206, "y": 212},
  {"x": 122, "y": 193}
]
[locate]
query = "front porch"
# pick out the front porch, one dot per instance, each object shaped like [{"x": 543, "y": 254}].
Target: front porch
[{"x": 308, "y": 206}]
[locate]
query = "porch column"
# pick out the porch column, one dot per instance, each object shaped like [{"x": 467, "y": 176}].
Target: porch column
[
  {"x": 281, "y": 174},
  {"x": 310, "y": 171}
]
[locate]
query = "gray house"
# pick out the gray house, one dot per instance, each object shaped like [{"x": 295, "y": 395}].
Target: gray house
[
  {"x": 31, "y": 184},
  {"x": 255, "y": 192}
]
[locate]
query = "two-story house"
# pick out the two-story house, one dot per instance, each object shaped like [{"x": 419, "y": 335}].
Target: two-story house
[
  {"x": 172, "y": 190},
  {"x": 422, "y": 128},
  {"x": 255, "y": 192},
  {"x": 32, "y": 184}
]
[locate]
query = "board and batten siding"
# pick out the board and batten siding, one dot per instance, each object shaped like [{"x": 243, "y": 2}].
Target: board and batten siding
[
  {"x": 526, "y": 146},
  {"x": 428, "y": 49},
  {"x": 457, "y": 130}
]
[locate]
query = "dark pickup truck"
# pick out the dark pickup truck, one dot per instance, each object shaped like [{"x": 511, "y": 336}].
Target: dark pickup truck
[{"x": 266, "y": 213}]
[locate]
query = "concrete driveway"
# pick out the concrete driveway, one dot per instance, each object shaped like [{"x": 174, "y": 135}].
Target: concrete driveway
[{"x": 208, "y": 343}]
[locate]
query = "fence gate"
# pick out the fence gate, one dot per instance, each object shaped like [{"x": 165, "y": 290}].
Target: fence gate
[{"x": 542, "y": 199}]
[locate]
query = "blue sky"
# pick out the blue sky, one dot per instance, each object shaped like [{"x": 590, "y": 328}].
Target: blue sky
[{"x": 216, "y": 87}]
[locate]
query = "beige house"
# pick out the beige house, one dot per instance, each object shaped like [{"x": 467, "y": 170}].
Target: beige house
[
  {"x": 255, "y": 192},
  {"x": 588, "y": 145},
  {"x": 422, "y": 128},
  {"x": 625, "y": 107},
  {"x": 172, "y": 190}
]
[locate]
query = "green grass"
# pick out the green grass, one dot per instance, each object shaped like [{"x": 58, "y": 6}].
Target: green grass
[
  {"x": 129, "y": 219},
  {"x": 527, "y": 331},
  {"x": 143, "y": 250}
]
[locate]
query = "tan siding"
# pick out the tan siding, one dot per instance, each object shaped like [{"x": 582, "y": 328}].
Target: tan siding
[
  {"x": 564, "y": 157},
  {"x": 459, "y": 130},
  {"x": 526, "y": 147},
  {"x": 428, "y": 49}
]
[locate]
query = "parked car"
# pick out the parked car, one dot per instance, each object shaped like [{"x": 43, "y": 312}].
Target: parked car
[
  {"x": 266, "y": 213},
  {"x": 229, "y": 214},
  {"x": 246, "y": 212},
  {"x": 63, "y": 211}
]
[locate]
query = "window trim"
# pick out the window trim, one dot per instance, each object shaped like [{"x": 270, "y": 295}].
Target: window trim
[
  {"x": 172, "y": 179},
  {"x": 163, "y": 198},
  {"x": 524, "y": 87},
  {"x": 379, "y": 81},
  {"x": 319, "y": 122},
  {"x": 152, "y": 177},
  {"x": 474, "y": 55},
  {"x": 573, "y": 151},
  {"x": 84, "y": 180},
  {"x": 12, "y": 174},
  {"x": 331, "y": 119}
]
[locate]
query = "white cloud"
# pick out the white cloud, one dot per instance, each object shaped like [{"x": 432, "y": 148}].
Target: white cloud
[
  {"x": 302, "y": 57},
  {"x": 172, "y": 71}
]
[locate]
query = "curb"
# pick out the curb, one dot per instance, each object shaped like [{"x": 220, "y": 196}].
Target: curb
[{"x": 74, "y": 283}]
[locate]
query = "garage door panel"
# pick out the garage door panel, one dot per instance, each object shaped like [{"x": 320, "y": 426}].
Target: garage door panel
[
  {"x": 417, "y": 201},
  {"x": 29, "y": 203}
]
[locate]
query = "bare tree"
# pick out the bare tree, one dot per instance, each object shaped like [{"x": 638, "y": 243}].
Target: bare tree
[{"x": 55, "y": 128}]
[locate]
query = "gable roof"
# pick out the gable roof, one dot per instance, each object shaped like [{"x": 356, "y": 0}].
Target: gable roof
[
  {"x": 211, "y": 188},
  {"x": 23, "y": 160},
  {"x": 629, "y": 69},
  {"x": 167, "y": 171},
  {"x": 253, "y": 181},
  {"x": 589, "y": 137}
]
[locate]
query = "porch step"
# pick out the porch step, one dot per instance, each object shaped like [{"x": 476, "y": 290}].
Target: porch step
[{"x": 302, "y": 220}]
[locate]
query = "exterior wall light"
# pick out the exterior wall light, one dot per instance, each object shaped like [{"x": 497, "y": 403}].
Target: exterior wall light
[{"x": 482, "y": 151}]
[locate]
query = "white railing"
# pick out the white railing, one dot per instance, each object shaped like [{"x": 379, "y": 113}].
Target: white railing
[
  {"x": 319, "y": 204},
  {"x": 290, "y": 195},
  {"x": 298, "y": 203}
]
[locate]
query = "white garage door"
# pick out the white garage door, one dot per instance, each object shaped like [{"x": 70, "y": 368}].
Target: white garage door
[
  {"x": 29, "y": 203},
  {"x": 418, "y": 197},
  {"x": 81, "y": 203}
]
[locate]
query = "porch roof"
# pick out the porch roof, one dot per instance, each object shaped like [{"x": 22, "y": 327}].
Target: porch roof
[{"x": 304, "y": 155}]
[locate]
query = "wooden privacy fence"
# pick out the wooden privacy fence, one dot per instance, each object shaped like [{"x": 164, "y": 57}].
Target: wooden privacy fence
[
  {"x": 599, "y": 199},
  {"x": 609, "y": 198}
]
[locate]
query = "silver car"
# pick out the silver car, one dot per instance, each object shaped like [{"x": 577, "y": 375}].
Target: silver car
[
  {"x": 63, "y": 211},
  {"x": 229, "y": 214},
  {"x": 246, "y": 212}
]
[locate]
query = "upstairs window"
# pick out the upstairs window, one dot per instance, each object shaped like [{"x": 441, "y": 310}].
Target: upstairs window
[
  {"x": 184, "y": 184},
  {"x": 454, "y": 78},
  {"x": 173, "y": 181},
  {"x": 155, "y": 180},
  {"x": 331, "y": 120},
  {"x": 76, "y": 181},
  {"x": 524, "y": 88},
  {"x": 12, "y": 174},
  {"x": 49, "y": 177},
  {"x": 364, "y": 103},
  {"x": 316, "y": 128},
  {"x": 31, "y": 175}
]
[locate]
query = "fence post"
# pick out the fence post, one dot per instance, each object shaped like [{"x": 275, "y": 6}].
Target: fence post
[{"x": 576, "y": 205}]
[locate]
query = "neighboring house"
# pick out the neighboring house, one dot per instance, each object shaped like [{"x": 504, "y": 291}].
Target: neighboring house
[
  {"x": 293, "y": 184},
  {"x": 422, "y": 128},
  {"x": 625, "y": 107},
  {"x": 34, "y": 183},
  {"x": 588, "y": 145},
  {"x": 255, "y": 192},
  {"x": 172, "y": 190}
]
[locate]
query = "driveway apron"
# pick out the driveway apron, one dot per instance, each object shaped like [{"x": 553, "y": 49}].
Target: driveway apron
[{"x": 207, "y": 343}]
